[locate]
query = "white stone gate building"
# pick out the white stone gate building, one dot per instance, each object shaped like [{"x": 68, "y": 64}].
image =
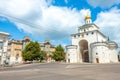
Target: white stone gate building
[{"x": 90, "y": 45}]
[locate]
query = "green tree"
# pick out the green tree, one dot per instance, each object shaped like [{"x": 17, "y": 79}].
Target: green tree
[
  {"x": 42, "y": 55},
  {"x": 31, "y": 51},
  {"x": 59, "y": 53}
]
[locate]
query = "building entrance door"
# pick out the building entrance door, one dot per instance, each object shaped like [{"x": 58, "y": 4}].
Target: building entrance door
[
  {"x": 86, "y": 56},
  {"x": 68, "y": 60},
  {"x": 84, "y": 50},
  {"x": 97, "y": 60}
]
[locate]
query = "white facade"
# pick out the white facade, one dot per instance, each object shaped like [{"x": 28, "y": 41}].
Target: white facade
[
  {"x": 92, "y": 45},
  {"x": 3, "y": 47},
  {"x": 71, "y": 56},
  {"x": 13, "y": 60},
  {"x": 104, "y": 52}
]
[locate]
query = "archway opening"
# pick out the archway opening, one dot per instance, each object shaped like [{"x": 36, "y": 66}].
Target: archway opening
[{"x": 84, "y": 50}]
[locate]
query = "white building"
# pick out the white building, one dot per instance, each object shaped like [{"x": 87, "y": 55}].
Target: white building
[
  {"x": 3, "y": 47},
  {"x": 90, "y": 45}
]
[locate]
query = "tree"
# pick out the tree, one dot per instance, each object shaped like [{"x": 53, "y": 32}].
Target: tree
[
  {"x": 42, "y": 55},
  {"x": 59, "y": 53},
  {"x": 31, "y": 51}
]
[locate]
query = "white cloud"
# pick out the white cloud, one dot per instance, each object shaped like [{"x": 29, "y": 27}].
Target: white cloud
[
  {"x": 109, "y": 23},
  {"x": 48, "y": 21},
  {"x": 51, "y": 22},
  {"x": 103, "y": 3}
]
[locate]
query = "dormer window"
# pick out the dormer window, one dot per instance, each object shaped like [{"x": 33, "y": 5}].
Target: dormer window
[{"x": 92, "y": 33}]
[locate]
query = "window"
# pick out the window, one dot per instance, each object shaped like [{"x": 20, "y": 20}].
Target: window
[
  {"x": 68, "y": 54},
  {"x": 86, "y": 33},
  {"x": 92, "y": 33},
  {"x": 17, "y": 56},
  {"x": 96, "y": 53},
  {"x": 1, "y": 45}
]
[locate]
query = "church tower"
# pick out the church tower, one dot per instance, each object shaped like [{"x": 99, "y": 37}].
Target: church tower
[{"x": 88, "y": 19}]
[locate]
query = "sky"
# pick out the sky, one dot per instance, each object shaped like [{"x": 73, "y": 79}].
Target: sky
[{"x": 56, "y": 20}]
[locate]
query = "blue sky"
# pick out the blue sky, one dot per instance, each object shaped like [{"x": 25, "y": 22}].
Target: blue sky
[{"x": 56, "y": 20}]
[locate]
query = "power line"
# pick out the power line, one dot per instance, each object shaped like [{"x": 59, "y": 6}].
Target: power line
[
  {"x": 16, "y": 19},
  {"x": 24, "y": 21}
]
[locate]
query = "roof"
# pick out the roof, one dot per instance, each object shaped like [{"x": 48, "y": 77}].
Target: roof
[
  {"x": 101, "y": 34},
  {"x": 111, "y": 42},
  {"x": 15, "y": 41},
  {"x": 4, "y": 33},
  {"x": 88, "y": 17},
  {"x": 43, "y": 45},
  {"x": 26, "y": 38},
  {"x": 87, "y": 26},
  {"x": 106, "y": 43}
]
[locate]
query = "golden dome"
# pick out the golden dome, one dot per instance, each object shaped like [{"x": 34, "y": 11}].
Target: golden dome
[{"x": 87, "y": 17}]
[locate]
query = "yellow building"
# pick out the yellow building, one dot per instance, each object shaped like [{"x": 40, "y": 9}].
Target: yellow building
[
  {"x": 48, "y": 48},
  {"x": 14, "y": 54}
]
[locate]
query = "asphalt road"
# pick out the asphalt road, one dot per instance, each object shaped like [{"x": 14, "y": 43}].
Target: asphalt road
[{"x": 62, "y": 71}]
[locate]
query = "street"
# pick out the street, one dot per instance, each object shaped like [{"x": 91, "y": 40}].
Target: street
[{"x": 62, "y": 71}]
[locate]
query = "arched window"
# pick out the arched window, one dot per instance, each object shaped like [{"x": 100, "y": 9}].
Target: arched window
[{"x": 17, "y": 56}]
